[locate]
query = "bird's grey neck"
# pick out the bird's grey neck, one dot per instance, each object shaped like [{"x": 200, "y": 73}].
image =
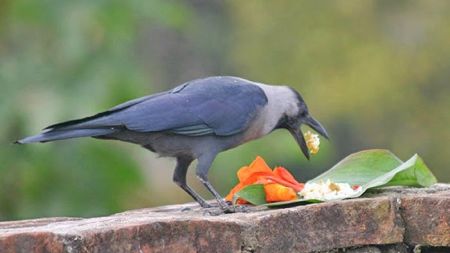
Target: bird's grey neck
[{"x": 281, "y": 102}]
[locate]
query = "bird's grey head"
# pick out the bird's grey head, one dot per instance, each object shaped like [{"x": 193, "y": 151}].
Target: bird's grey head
[{"x": 297, "y": 114}]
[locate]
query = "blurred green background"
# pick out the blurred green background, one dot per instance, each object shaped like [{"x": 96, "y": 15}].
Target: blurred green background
[{"x": 375, "y": 73}]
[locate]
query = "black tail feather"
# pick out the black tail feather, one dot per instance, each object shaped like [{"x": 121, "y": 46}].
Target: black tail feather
[{"x": 53, "y": 135}]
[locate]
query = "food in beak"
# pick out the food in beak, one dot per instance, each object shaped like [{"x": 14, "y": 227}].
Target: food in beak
[{"x": 312, "y": 142}]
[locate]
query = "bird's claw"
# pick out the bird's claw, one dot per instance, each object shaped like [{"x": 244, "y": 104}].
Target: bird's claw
[
  {"x": 237, "y": 209},
  {"x": 223, "y": 207},
  {"x": 204, "y": 204},
  {"x": 241, "y": 209}
]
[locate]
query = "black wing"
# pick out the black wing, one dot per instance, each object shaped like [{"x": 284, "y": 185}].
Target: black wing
[{"x": 215, "y": 105}]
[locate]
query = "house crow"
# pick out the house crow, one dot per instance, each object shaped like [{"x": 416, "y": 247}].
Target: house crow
[{"x": 196, "y": 120}]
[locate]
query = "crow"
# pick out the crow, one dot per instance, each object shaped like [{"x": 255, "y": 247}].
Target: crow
[{"x": 195, "y": 120}]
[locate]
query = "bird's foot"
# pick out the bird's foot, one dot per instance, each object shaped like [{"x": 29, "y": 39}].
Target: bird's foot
[
  {"x": 230, "y": 208},
  {"x": 241, "y": 209},
  {"x": 225, "y": 208},
  {"x": 204, "y": 204}
]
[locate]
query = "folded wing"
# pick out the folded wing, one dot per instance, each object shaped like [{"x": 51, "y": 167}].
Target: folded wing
[{"x": 216, "y": 105}]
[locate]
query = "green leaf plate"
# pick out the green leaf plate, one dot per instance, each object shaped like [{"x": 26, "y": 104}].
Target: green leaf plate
[{"x": 369, "y": 169}]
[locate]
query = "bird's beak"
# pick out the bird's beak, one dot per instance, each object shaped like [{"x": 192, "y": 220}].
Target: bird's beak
[
  {"x": 314, "y": 124},
  {"x": 298, "y": 135}
]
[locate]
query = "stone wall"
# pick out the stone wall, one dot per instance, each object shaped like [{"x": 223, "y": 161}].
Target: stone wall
[{"x": 393, "y": 220}]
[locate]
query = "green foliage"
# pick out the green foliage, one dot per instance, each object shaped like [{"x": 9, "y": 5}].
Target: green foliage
[
  {"x": 374, "y": 168},
  {"x": 374, "y": 73},
  {"x": 357, "y": 168},
  {"x": 61, "y": 60}
]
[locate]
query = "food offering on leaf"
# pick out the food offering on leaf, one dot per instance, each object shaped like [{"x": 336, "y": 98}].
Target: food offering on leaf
[
  {"x": 328, "y": 190},
  {"x": 279, "y": 185},
  {"x": 312, "y": 142},
  {"x": 260, "y": 185}
]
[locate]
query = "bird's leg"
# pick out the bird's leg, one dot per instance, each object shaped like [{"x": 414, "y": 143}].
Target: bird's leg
[
  {"x": 179, "y": 177},
  {"x": 204, "y": 163}
]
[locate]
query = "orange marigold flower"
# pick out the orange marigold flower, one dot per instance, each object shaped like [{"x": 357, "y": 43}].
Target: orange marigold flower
[
  {"x": 278, "y": 192},
  {"x": 279, "y": 184},
  {"x": 258, "y": 165},
  {"x": 284, "y": 174}
]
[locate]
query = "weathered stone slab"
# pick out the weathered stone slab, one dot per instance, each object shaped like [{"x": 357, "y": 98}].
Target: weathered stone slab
[
  {"x": 331, "y": 225},
  {"x": 390, "y": 217},
  {"x": 148, "y": 230},
  {"x": 427, "y": 219}
]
